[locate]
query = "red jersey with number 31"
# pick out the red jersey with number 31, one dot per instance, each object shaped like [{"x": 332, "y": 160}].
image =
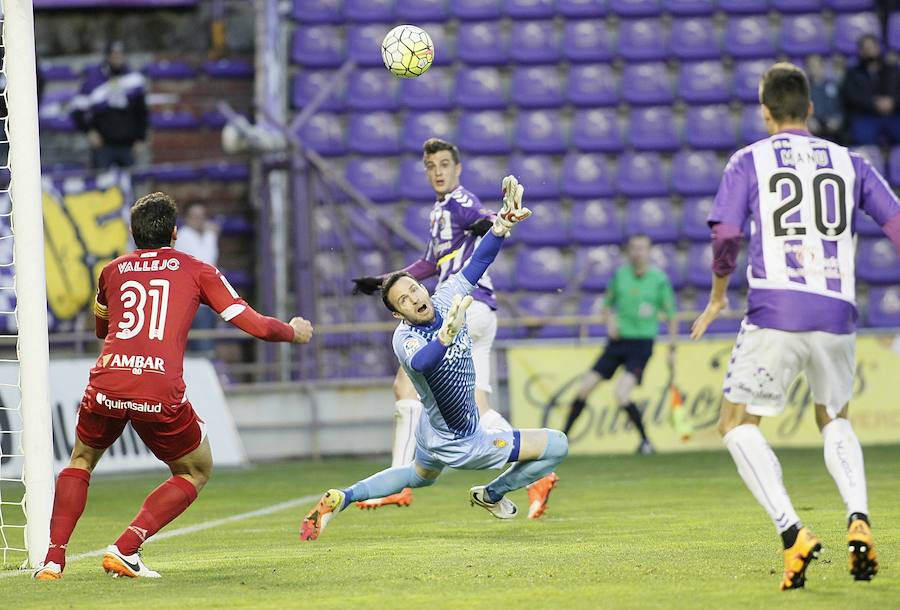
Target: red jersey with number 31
[{"x": 149, "y": 298}]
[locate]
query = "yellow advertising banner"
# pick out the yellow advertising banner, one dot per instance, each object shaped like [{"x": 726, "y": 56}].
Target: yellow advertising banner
[{"x": 543, "y": 381}]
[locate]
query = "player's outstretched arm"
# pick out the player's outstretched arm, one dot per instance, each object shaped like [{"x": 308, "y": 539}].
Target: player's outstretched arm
[{"x": 421, "y": 269}]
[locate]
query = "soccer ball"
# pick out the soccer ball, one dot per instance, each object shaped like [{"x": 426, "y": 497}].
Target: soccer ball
[{"x": 407, "y": 51}]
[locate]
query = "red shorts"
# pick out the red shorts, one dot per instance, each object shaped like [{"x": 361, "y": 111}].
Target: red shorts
[{"x": 174, "y": 434}]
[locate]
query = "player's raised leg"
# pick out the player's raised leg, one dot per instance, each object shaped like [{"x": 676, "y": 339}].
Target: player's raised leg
[
  {"x": 844, "y": 460},
  {"x": 190, "y": 473},
  {"x": 539, "y": 453},
  {"x": 68, "y": 503},
  {"x": 381, "y": 484},
  {"x": 761, "y": 471}
]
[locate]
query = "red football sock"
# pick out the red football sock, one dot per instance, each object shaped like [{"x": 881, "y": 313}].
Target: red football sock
[
  {"x": 162, "y": 505},
  {"x": 68, "y": 504}
]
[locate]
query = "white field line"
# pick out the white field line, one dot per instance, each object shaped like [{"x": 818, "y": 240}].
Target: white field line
[{"x": 190, "y": 529}]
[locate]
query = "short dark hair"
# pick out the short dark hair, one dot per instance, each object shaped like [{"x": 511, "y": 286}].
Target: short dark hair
[
  {"x": 153, "y": 219},
  {"x": 784, "y": 90},
  {"x": 388, "y": 283},
  {"x": 435, "y": 145}
]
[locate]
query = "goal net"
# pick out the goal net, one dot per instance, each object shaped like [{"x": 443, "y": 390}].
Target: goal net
[{"x": 26, "y": 477}]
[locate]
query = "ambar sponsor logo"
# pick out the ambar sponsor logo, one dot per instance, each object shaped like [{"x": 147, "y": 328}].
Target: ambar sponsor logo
[{"x": 136, "y": 363}]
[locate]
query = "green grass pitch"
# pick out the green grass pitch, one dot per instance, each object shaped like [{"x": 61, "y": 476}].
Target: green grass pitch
[{"x": 663, "y": 531}]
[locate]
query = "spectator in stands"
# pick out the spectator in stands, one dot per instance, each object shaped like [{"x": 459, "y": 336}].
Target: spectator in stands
[
  {"x": 825, "y": 91},
  {"x": 199, "y": 237},
  {"x": 112, "y": 110},
  {"x": 871, "y": 93}
]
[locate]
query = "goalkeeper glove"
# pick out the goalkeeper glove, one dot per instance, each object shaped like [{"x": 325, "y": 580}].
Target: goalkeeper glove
[
  {"x": 454, "y": 320},
  {"x": 366, "y": 285},
  {"x": 512, "y": 211}
]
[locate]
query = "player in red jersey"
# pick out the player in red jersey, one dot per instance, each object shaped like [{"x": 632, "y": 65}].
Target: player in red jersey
[{"x": 146, "y": 301}]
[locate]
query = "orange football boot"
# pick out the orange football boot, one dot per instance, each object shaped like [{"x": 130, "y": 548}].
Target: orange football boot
[
  {"x": 316, "y": 520},
  {"x": 539, "y": 493},
  {"x": 797, "y": 558},
  {"x": 861, "y": 544},
  {"x": 401, "y": 498}
]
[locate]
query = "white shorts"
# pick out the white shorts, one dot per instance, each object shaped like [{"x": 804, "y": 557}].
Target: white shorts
[
  {"x": 480, "y": 451},
  {"x": 482, "y": 323},
  {"x": 765, "y": 362}
]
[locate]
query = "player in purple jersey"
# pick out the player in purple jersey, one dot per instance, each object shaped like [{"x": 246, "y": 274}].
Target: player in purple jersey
[
  {"x": 458, "y": 221},
  {"x": 800, "y": 194}
]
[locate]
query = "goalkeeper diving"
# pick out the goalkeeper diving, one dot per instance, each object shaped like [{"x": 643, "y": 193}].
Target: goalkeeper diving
[{"x": 433, "y": 345}]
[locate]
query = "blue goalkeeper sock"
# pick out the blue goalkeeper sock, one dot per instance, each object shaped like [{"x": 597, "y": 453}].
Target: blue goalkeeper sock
[
  {"x": 521, "y": 474},
  {"x": 385, "y": 483}
]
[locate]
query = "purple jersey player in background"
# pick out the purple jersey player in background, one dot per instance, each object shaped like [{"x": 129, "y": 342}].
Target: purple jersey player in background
[
  {"x": 458, "y": 221},
  {"x": 800, "y": 194}
]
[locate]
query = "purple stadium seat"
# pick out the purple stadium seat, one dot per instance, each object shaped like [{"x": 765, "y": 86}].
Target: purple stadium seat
[
  {"x": 587, "y": 40},
  {"x": 894, "y": 168},
  {"x": 877, "y": 262},
  {"x": 594, "y": 267},
  {"x": 689, "y": 7},
  {"x": 699, "y": 264},
  {"x": 318, "y": 46},
  {"x": 641, "y": 175},
  {"x": 696, "y": 173},
  {"x": 237, "y": 226},
  {"x": 537, "y": 86},
  {"x": 695, "y": 38},
  {"x": 665, "y": 257},
  {"x": 419, "y": 127},
  {"x": 308, "y": 83},
  {"x": 737, "y": 303},
  {"x": 444, "y": 44},
  {"x": 873, "y": 155},
  {"x": 549, "y": 305},
  {"x": 536, "y": 42},
  {"x": 175, "y": 119},
  {"x": 586, "y": 176},
  {"x": 374, "y": 177},
  {"x": 596, "y": 222},
  {"x": 475, "y": 10},
  {"x": 540, "y": 131},
  {"x": 482, "y": 43},
  {"x": 364, "y": 11},
  {"x": 747, "y": 75},
  {"x": 508, "y": 309},
  {"x": 317, "y": 11},
  {"x": 482, "y": 175},
  {"x": 796, "y": 6},
  {"x": 850, "y": 27},
  {"x": 635, "y": 8},
  {"x": 417, "y": 11},
  {"x": 884, "y": 307},
  {"x": 58, "y": 96},
  {"x": 417, "y": 218},
  {"x": 591, "y": 305},
  {"x": 843, "y": 6},
  {"x": 592, "y": 85},
  {"x": 364, "y": 43},
  {"x": 431, "y": 91},
  {"x": 865, "y": 226},
  {"x": 331, "y": 271},
  {"x": 752, "y": 127},
  {"x": 168, "y": 69},
  {"x": 744, "y": 7},
  {"x": 174, "y": 172},
  {"x": 804, "y": 35},
  {"x": 539, "y": 172},
  {"x": 582, "y": 8},
  {"x": 548, "y": 227},
  {"x": 543, "y": 269},
  {"x": 709, "y": 127},
  {"x": 653, "y": 128},
  {"x": 748, "y": 37},
  {"x": 503, "y": 271},
  {"x": 597, "y": 130},
  {"x": 893, "y": 31},
  {"x": 373, "y": 133},
  {"x": 642, "y": 40},
  {"x": 225, "y": 171},
  {"x": 480, "y": 89},
  {"x": 368, "y": 89},
  {"x": 228, "y": 68},
  {"x": 704, "y": 82},
  {"x": 528, "y": 9},
  {"x": 653, "y": 216},
  {"x": 484, "y": 132},
  {"x": 57, "y": 72},
  {"x": 648, "y": 84},
  {"x": 412, "y": 183},
  {"x": 694, "y": 212}
]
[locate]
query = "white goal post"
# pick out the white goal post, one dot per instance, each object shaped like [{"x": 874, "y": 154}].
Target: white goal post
[{"x": 30, "y": 282}]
